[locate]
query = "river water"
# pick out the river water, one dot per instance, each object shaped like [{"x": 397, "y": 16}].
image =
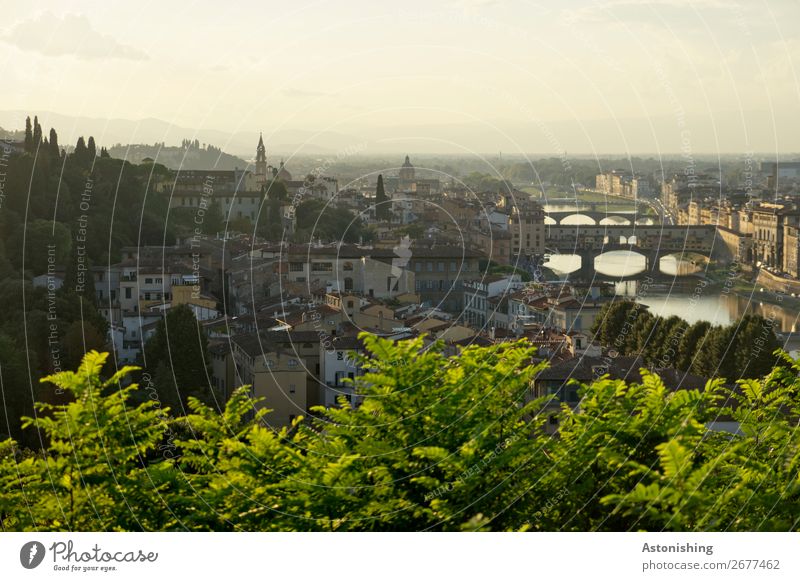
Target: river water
[{"x": 686, "y": 297}]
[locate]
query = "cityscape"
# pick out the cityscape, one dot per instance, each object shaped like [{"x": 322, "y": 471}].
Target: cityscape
[{"x": 359, "y": 304}]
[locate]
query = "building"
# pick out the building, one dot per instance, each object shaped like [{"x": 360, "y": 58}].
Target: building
[
  {"x": 624, "y": 184},
  {"x": 339, "y": 368},
  {"x": 556, "y": 310},
  {"x": 373, "y": 272},
  {"x": 407, "y": 181},
  {"x": 528, "y": 231},
  {"x": 479, "y": 310},
  {"x": 769, "y": 222},
  {"x": 276, "y": 375},
  {"x": 791, "y": 250}
]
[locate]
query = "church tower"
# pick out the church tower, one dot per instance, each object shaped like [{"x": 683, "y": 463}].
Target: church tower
[
  {"x": 261, "y": 161},
  {"x": 407, "y": 171}
]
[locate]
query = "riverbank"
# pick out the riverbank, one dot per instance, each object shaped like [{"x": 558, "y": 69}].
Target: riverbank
[{"x": 766, "y": 287}]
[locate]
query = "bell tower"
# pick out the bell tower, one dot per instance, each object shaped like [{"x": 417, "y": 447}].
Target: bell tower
[{"x": 261, "y": 161}]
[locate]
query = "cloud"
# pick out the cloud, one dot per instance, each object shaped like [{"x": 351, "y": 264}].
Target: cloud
[
  {"x": 67, "y": 35},
  {"x": 302, "y": 93},
  {"x": 643, "y": 10}
]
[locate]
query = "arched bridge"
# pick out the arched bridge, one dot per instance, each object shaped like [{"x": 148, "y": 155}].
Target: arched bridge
[
  {"x": 653, "y": 242},
  {"x": 558, "y": 217}
]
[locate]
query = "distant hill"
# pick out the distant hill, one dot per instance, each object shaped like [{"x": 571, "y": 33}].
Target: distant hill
[
  {"x": 189, "y": 155},
  {"x": 11, "y": 135}
]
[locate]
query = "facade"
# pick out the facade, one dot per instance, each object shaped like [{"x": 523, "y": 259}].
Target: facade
[
  {"x": 339, "y": 368},
  {"x": 479, "y": 309},
  {"x": 528, "y": 230},
  {"x": 439, "y": 272},
  {"x": 379, "y": 273},
  {"x": 623, "y": 184},
  {"x": 277, "y": 376},
  {"x": 791, "y": 250},
  {"x": 769, "y": 222}
]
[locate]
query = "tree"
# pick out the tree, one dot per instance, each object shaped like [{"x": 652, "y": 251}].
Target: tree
[
  {"x": 55, "y": 152},
  {"x": 91, "y": 150},
  {"x": 45, "y": 243},
  {"x": 79, "y": 338},
  {"x": 316, "y": 219},
  {"x": 756, "y": 343},
  {"x": 28, "y": 135},
  {"x": 383, "y": 210},
  {"x": 15, "y": 387},
  {"x": 37, "y": 133},
  {"x": 177, "y": 355},
  {"x": 437, "y": 443},
  {"x": 213, "y": 220},
  {"x": 610, "y": 321},
  {"x": 81, "y": 152},
  {"x": 690, "y": 343}
]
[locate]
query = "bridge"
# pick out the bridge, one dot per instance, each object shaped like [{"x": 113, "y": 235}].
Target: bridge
[
  {"x": 629, "y": 217},
  {"x": 596, "y": 210},
  {"x": 652, "y": 242}
]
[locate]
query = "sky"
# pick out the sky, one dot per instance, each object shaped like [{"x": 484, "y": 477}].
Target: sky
[{"x": 575, "y": 76}]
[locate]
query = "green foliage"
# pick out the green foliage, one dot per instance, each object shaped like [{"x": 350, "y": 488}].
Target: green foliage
[
  {"x": 436, "y": 443},
  {"x": 177, "y": 356},
  {"x": 741, "y": 350},
  {"x": 319, "y": 220}
]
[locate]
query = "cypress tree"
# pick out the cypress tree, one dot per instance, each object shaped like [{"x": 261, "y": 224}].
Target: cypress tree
[
  {"x": 91, "y": 149},
  {"x": 37, "y": 133},
  {"x": 382, "y": 210},
  {"x": 54, "y": 151},
  {"x": 80, "y": 152},
  {"x": 28, "y": 135}
]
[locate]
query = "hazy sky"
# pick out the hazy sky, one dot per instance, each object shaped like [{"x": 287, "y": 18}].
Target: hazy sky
[{"x": 546, "y": 76}]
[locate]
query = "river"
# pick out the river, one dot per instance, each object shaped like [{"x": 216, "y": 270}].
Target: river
[{"x": 689, "y": 298}]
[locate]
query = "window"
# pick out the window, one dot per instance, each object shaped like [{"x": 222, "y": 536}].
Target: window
[
  {"x": 322, "y": 267},
  {"x": 440, "y": 267},
  {"x": 127, "y": 292},
  {"x": 148, "y": 281},
  {"x": 454, "y": 266},
  {"x": 147, "y": 296},
  {"x": 429, "y": 266},
  {"x": 292, "y": 388},
  {"x": 418, "y": 267},
  {"x": 347, "y": 266},
  {"x": 292, "y": 363},
  {"x": 296, "y": 266}
]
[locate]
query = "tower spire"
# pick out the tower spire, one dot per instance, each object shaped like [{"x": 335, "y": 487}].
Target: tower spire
[{"x": 261, "y": 159}]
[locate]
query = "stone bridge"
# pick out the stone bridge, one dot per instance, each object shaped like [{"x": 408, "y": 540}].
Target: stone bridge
[
  {"x": 596, "y": 216},
  {"x": 653, "y": 242}
]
